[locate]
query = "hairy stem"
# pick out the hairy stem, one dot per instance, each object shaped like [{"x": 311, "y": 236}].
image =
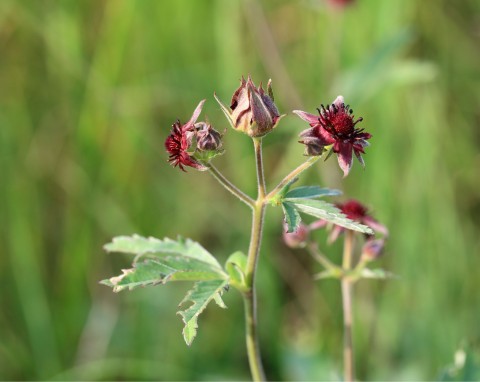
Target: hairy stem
[
  {"x": 258, "y": 217},
  {"x": 293, "y": 175},
  {"x": 348, "y": 358},
  {"x": 230, "y": 186}
]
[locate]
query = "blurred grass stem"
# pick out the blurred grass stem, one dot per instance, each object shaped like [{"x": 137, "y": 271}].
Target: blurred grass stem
[{"x": 348, "y": 358}]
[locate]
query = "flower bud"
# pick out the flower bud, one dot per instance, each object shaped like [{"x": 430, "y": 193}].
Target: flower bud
[
  {"x": 298, "y": 238},
  {"x": 208, "y": 139},
  {"x": 252, "y": 111},
  {"x": 373, "y": 249}
]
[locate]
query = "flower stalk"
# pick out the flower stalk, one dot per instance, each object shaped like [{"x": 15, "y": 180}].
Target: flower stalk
[
  {"x": 348, "y": 357},
  {"x": 230, "y": 186},
  {"x": 258, "y": 218},
  {"x": 290, "y": 177}
]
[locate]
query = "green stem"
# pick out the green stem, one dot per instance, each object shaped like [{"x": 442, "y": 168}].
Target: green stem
[
  {"x": 292, "y": 175},
  {"x": 348, "y": 358},
  {"x": 258, "y": 217},
  {"x": 230, "y": 186}
]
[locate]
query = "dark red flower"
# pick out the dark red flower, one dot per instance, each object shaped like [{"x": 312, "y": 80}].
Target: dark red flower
[
  {"x": 179, "y": 142},
  {"x": 356, "y": 211},
  {"x": 335, "y": 126}
]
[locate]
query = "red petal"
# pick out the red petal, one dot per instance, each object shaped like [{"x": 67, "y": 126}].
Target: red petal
[
  {"x": 310, "y": 118},
  {"x": 195, "y": 115},
  {"x": 345, "y": 157}
]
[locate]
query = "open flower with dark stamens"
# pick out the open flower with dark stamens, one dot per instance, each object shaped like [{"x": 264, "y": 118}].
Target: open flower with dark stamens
[
  {"x": 252, "y": 111},
  {"x": 356, "y": 211},
  {"x": 334, "y": 126},
  {"x": 179, "y": 143}
]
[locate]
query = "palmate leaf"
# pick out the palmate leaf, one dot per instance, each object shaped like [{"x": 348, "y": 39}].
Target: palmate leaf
[
  {"x": 326, "y": 211},
  {"x": 159, "y": 261},
  {"x": 201, "y": 294},
  {"x": 139, "y": 245},
  {"x": 154, "y": 271}
]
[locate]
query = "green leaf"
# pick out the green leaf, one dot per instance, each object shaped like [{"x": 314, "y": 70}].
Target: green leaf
[
  {"x": 377, "y": 274},
  {"x": 208, "y": 155},
  {"x": 310, "y": 192},
  {"x": 170, "y": 260},
  {"x": 138, "y": 245},
  {"x": 236, "y": 267},
  {"x": 326, "y": 211},
  {"x": 143, "y": 274},
  {"x": 292, "y": 217},
  {"x": 152, "y": 271},
  {"x": 202, "y": 293},
  {"x": 277, "y": 199}
]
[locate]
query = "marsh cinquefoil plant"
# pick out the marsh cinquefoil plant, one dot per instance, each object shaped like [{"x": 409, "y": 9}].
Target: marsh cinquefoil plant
[
  {"x": 354, "y": 266},
  {"x": 252, "y": 111}
]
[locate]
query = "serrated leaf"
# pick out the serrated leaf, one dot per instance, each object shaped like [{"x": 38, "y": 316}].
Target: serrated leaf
[
  {"x": 292, "y": 217},
  {"x": 310, "y": 192},
  {"x": 326, "y": 211},
  {"x": 144, "y": 273},
  {"x": 139, "y": 245},
  {"x": 152, "y": 272},
  {"x": 201, "y": 294}
]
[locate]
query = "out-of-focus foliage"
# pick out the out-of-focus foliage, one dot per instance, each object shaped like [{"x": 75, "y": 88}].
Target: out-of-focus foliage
[{"x": 88, "y": 92}]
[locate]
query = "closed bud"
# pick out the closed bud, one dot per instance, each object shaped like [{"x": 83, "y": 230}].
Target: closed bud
[
  {"x": 252, "y": 111},
  {"x": 373, "y": 249},
  {"x": 298, "y": 238},
  {"x": 208, "y": 139}
]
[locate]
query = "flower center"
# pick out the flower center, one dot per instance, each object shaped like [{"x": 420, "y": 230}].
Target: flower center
[
  {"x": 353, "y": 210},
  {"x": 342, "y": 123}
]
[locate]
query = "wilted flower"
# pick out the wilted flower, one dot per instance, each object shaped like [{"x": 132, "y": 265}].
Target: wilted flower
[
  {"x": 356, "y": 211},
  {"x": 252, "y": 111},
  {"x": 179, "y": 142},
  {"x": 334, "y": 126},
  {"x": 298, "y": 238},
  {"x": 208, "y": 139}
]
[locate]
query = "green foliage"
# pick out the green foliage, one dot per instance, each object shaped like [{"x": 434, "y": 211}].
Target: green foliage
[
  {"x": 170, "y": 260},
  {"x": 326, "y": 211},
  {"x": 236, "y": 267},
  {"x": 292, "y": 217},
  {"x": 201, "y": 294},
  {"x": 310, "y": 192},
  {"x": 466, "y": 365}
]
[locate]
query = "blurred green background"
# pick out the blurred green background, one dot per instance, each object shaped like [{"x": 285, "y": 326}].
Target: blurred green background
[{"x": 88, "y": 92}]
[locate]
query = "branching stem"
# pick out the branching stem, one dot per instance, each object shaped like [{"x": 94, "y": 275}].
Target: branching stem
[
  {"x": 230, "y": 186},
  {"x": 293, "y": 175}
]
